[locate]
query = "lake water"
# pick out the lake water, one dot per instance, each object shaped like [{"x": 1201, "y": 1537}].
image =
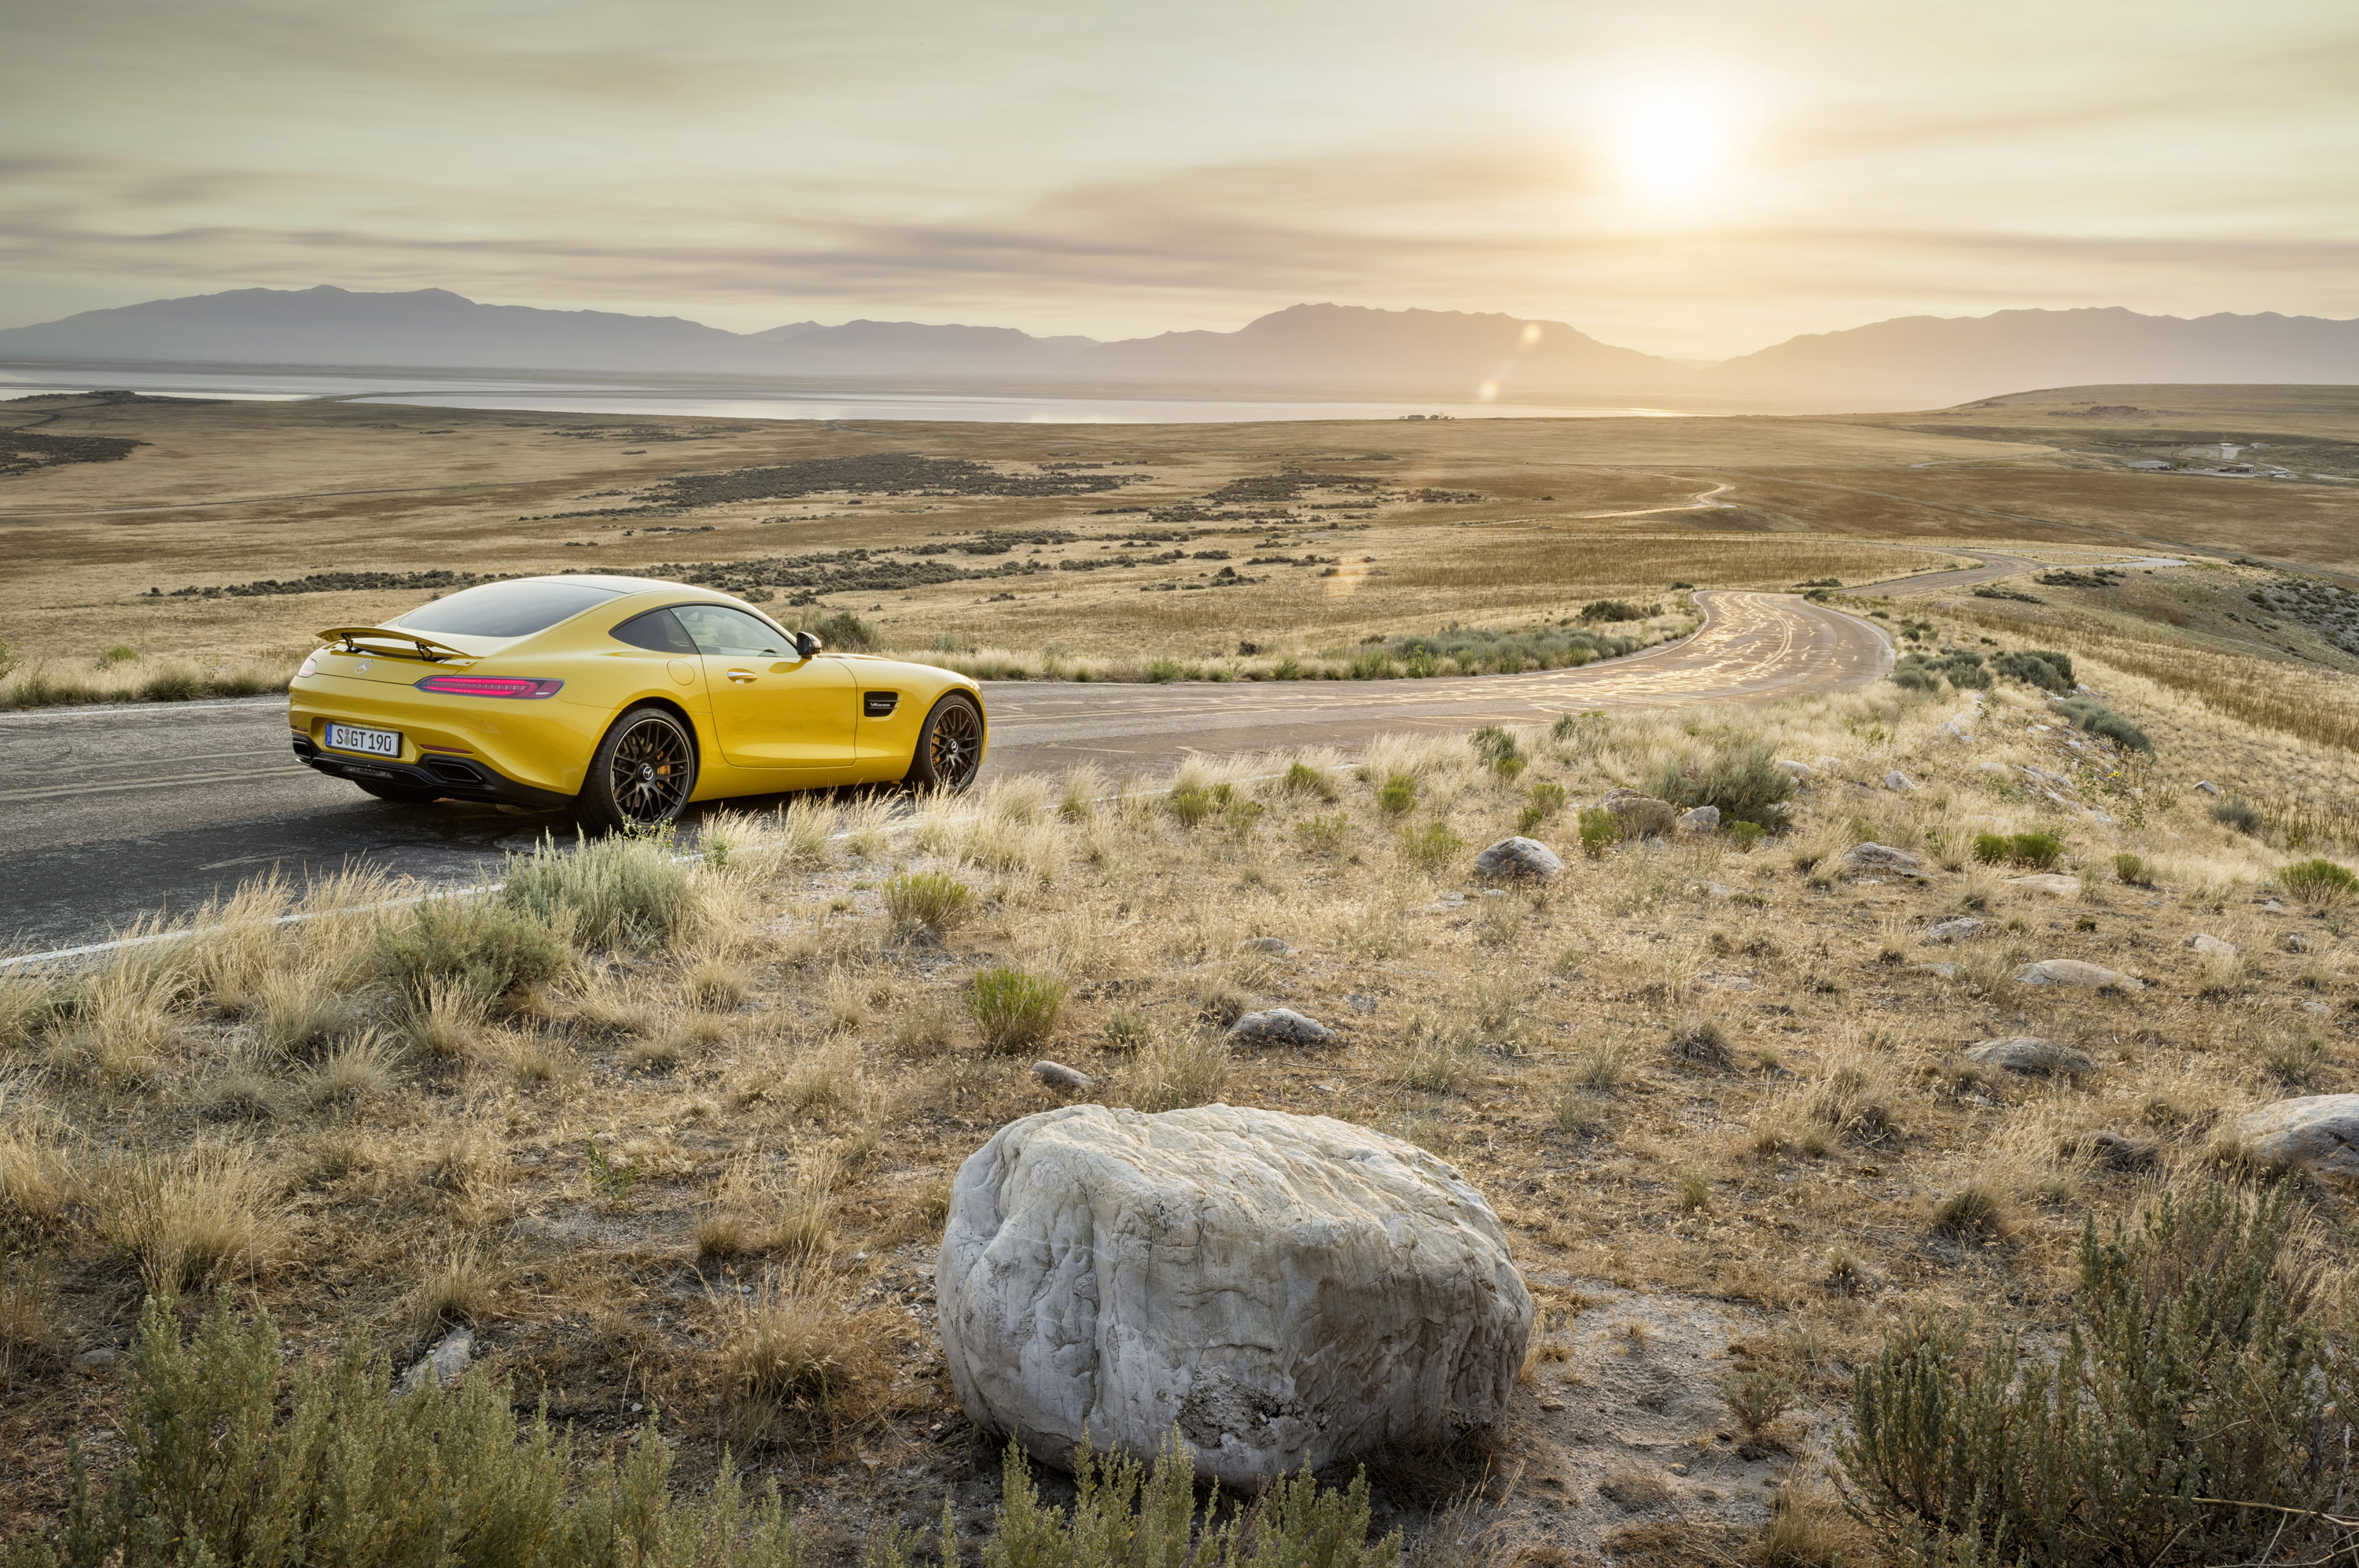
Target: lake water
[{"x": 739, "y": 398}]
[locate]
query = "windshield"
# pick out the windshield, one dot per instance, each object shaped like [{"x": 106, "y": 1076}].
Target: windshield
[{"x": 506, "y": 609}]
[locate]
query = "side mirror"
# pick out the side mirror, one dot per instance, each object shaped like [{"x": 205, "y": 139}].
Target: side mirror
[{"x": 807, "y": 644}]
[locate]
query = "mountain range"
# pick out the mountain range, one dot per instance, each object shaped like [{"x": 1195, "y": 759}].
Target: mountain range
[{"x": 1910, "y": 362}]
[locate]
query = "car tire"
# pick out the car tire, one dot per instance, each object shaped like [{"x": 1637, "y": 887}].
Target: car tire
[
  {"x": 395, "y": 794},
  {"x": 642, "y": 774},
  {"x": 949, "y": 747}
]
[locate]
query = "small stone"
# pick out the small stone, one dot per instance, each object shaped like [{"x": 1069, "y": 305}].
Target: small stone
[
  {"x": 1798, "y": 770},
  {"x": 2121, "y": 1153},
  {"x": 1957, "y": 929},
  {"x": 2317, "y": 1132},
  {"x": 1864, "y": 857},
  {"x": 445, "y": 1361},
  {"x": 2075, "y": 971},
  {"x": 1941, "y": 971},
  {"x": 2207, "y": 945},
  {"x": 1361, "y": 1002},
  {"x": 1896, "y": 779},
  {"x": 2296, "y": 941},
  {"x": 1281, "y": 1026},
  {"x": 1826, "y": 764},
  {"x": 1276, "y": 946},
  {"x": 1954, "y": 730},
  {"x": 1997, "y": 768},
  {"x": 99, "y": 1360},
  {"x": 1057, "y": 1075},
  {"x": 1728, "y": 982},
  {"x": 1526, "y": 858},
  {"x": 2205, "y": 787},
  {"x": 2027, "y": 1053},
  {"x": 1719, "y": 890},
  {"x": 1703, "y": 820},
  {"x": 2054, "y": 883}
]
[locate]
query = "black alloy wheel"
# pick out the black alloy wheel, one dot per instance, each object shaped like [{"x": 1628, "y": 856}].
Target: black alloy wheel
[
  {"x": 950, "y": 745},
  {"x": 643, "y": 773}
]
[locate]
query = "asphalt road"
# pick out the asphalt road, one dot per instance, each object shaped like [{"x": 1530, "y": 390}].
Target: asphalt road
[{"x": 110, "y": 813}]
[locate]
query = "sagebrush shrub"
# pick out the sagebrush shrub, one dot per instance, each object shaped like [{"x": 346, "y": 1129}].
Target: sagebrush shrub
[
  {"x": 1430, "y": 845},
  {"x": 2238, "y": 813},
  {"x": 2321, "y": 884},
  {"x": 2048, "y": 670},
  {"x": 1014, "y": 1008},
  {"x": 2099, "y": 720},
  {"x": 1301, "y": 778},
  {"x": 486, "y": 948},
  {"x": 1599, "y": 831},
  {"x": 1744, "y": 780},
  {"x": 2188, "y": 1419},
  {"x": 930, "y": 900},
  {"x": 1397, "y": 795},
  {"x": 624, "y": 891}
]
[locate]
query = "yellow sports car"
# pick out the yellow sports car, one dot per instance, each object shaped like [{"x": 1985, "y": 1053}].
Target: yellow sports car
[{"x": 622, "y": 698}]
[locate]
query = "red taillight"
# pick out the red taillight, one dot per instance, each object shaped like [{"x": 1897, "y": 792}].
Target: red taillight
[
  {"x": 310, "y": 667},
  {"x": 489, "y": 686}
]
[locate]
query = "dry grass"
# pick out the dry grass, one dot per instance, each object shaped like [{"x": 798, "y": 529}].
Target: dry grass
[{"x": 706, "y": 1171}]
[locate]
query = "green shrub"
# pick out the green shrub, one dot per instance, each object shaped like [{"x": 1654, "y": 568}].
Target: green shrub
[
  {"x": 2321, "y": 884},
  {"x": 1599, "y": 831},
  {"x": 1745, "y": 781},
  {"x": 1190, "y": 804},
  {"x": 1014, "y": 1008},
  {"x": 2187, "y": 1419},
  {"x": 1499, "y": 750},
  {"x": 1614, "y": 610},
  {"x": 1397, "y": 795},
  {"x": 927, "y": 898},
  {"x": 1747, "y": 835},
  {"x": 2099, "y": 720},
  {"x": 1577, "y": 726},
  {"x": 1542, "y": 801},
  {"x": 2132, "y": 869},
  {"x": 490, "y": 950},
  {"x": 1323, "y": 835},
  {"x": 623, "y": 890},
  {"x": 1163, "y": 671},
  {"x": 1430, "y": 846},
  {"x": 1926, "y": 672},
  {"x": 844, "y": 632},
  {"x": 2238, "y": 813},
  {"x": 220, "y": 1472},
  {"x": 2036, "y": 666},
  {"x": 2038, "y": 851},
  {"x": 1301, "y": 778},
  {"x": 1125, "y": 1515}
]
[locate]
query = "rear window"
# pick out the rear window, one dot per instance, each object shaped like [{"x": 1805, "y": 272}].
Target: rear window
[
  {"x": 656, "y": 629},
  {"x": 506, "y": 609}
]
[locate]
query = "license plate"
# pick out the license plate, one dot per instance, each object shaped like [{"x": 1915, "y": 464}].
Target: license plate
[{"x": 375, "y": 743}]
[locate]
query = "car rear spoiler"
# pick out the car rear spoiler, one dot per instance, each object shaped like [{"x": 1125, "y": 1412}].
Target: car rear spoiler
[{"x": 403, "y": 645}]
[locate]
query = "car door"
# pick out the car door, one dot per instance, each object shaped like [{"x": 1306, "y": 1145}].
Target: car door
[{"x": 771, "y": 706}]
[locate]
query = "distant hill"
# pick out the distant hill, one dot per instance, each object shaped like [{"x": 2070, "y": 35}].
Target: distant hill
[
  {"x": 1915, "y": 362},
  {"x": 1430, "y": 352},
  {"x": 1922, "y": 362}
]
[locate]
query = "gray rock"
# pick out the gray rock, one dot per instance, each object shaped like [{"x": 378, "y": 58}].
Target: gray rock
[
  {"x": 1952, "y": 730},
  {"x": 2053, "y": 883},
  {"x": 1881, "y": 858},
  {"x": 1896, "y": 779},
  {"x": 1527, "y": 858},
  {"x": 1957, "y": 929},
  {"x": 1276, "y": 946},
  {"x": 1799, "y": 770},
  {"x": 2317, "y": 1132},
  {"x": 1283, "y": 1290},
  {"x": 2075, "y": 972},
  {"x": 2205, "y": 787},
  {"x": 1281, "y": 1026},
  {"x": 1826, "y": 764},
  {"x": 1939, "y": 971},
  {"x": 1639, "y": 816},
  {"x": 2121, "y": 1153},
  {"x": 2296, "y": 941},
  {"x": 1997, "y": 768},
  {"x": 1057, "y": 1075},
  {"x": 2027, "y": 1053},
  {"x": 1703, "y": 820},
  {"x": 444, "y": 1362},
  {"x": 100, "y": 1360},
  {"x": 2208, "y": 945}
]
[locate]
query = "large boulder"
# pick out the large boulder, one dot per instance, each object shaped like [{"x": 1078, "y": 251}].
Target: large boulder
[
  {"x": 1518, "y": 857},
  {"x": 1862, "y": 859},
  {"x": 1703, "y": 820},
  {"x": 2317, "y": 1132},
  {"x": 1284, "y": 1291}
]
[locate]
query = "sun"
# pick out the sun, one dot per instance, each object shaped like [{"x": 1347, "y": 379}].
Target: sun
[{"x": 1671, "y": 144}]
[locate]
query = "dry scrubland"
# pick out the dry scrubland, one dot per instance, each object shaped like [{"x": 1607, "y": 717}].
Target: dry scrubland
[
  {"x": 1500, "y": 524},
  {"x": 671, "y": 1131}
]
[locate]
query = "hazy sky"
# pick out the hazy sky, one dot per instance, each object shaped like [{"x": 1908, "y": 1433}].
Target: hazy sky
[{"x": 1691, "y": 179}]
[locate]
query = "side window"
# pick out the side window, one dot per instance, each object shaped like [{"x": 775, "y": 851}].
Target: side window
[
  {"x": 719, "y": 629},
  {"x": 657, "y": 630}
]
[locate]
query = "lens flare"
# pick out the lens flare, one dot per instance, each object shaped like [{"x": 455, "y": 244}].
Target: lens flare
[{"x": 1671, "y": 144}]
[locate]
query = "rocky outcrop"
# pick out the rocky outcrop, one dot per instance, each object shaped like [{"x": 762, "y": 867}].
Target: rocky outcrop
[
  {"x": 1283, "y": 1290},
  {"x": 1280, "y": 1026},
  {"x": 2030, "y": 1054},
  {"x": 2318, "y": 1133},
  {"x": 1880, "y": 859}
]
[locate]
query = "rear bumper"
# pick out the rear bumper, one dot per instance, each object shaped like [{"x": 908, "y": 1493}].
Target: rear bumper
[{"x": 457, "y": 778}]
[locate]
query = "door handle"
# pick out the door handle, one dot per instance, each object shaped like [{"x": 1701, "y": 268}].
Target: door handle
[{"x": 741, "y": 676}]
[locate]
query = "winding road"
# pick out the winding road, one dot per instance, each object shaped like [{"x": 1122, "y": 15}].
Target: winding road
[{"x": 110, "y": 813}]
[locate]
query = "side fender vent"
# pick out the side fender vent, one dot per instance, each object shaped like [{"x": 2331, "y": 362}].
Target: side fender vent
[{"x": 880, "y": 705}]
